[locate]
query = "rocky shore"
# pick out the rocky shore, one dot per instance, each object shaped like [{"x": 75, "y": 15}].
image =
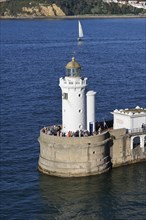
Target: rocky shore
[
  {"x": 47, "y": 10},
  {"x": 39, "y": 11},
  {"x": 72, "y": 17}
]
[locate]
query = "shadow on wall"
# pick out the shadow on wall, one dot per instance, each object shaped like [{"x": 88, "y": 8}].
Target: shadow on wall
[{"x": 103, "y": 125}]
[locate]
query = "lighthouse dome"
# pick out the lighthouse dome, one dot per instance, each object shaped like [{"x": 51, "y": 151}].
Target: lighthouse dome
[
  {"x": 73, "y": 64},
  {"x": 73, "y": 68}
]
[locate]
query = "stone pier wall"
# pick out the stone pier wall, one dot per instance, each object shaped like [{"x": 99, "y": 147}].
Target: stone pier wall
[
  {"x": 74, "y": 156},
  {"x": 84, "y": 156},
  {"x": 121, "y": 152}
]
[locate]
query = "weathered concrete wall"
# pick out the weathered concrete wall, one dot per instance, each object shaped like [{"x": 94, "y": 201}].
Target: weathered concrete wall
[
  {"x": 74, "y": 156},
  {"x": 84, "y": 156},
  {"x": 121, "y": 152}
]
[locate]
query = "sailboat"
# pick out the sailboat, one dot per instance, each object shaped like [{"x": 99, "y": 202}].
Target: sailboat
[{"x": 80, "y": 38}]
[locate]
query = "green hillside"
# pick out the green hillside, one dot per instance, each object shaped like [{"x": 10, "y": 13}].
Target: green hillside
[
  {"x": 69, "y": 7},
  {"x": 81, "y": 7}
]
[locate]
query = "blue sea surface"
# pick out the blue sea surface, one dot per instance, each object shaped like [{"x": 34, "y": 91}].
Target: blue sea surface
[{"x": 33, "y": 58}]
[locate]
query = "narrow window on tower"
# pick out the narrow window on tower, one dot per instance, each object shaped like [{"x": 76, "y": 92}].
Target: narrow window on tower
[{"x": 65, "y": 95}]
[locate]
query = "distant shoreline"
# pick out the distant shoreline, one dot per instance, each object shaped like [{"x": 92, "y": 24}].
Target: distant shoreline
[{"x": 72, "y": 17}]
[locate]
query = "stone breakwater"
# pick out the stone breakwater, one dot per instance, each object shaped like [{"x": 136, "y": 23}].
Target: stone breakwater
[{"x": 85, "y": 156}]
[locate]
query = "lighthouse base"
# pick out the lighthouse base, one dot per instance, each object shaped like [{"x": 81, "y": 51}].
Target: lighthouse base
[{"x": 74, "y": 156}]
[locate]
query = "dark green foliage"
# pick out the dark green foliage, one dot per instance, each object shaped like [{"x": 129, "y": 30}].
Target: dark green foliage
[
  {"x": 70, "y": 7},
  {"x": 80, "y": 7},
  {"x": 14, "y": 6}
]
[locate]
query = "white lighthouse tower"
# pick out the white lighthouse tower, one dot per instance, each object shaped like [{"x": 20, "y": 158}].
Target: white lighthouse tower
[{"x": 73, "y": 98}]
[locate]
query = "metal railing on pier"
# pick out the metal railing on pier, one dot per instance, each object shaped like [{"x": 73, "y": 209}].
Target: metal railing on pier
[{"x": 136, "y": 130}]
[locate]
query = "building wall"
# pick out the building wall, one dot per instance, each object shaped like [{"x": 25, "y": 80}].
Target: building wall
[
  {"x": 128, "y": 121},
  {"x": 121, "y": 121},
  {"x": 137, "y": 122}
]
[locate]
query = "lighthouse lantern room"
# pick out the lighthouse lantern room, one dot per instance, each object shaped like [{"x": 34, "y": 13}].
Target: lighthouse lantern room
[{"x": 73, "y": 98}]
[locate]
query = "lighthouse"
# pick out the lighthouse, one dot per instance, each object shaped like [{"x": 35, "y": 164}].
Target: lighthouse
[
  {"x": 74, "y": 149},
  {"x": 73, "y": 87},
  {"x": 77, "y": 112}
]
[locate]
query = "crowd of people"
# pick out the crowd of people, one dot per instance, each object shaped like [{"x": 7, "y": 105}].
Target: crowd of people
[{"x": 56, "y": 130}]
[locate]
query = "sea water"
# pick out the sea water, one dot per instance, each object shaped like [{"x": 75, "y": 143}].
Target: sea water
[{"x": 33, "y": 58}]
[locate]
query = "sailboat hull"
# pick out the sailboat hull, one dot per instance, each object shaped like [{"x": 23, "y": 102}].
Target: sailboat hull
[{"x": 80, "y": 39}]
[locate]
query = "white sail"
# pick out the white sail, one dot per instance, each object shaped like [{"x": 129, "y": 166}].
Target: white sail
[{"x": 80, "y": 30}]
